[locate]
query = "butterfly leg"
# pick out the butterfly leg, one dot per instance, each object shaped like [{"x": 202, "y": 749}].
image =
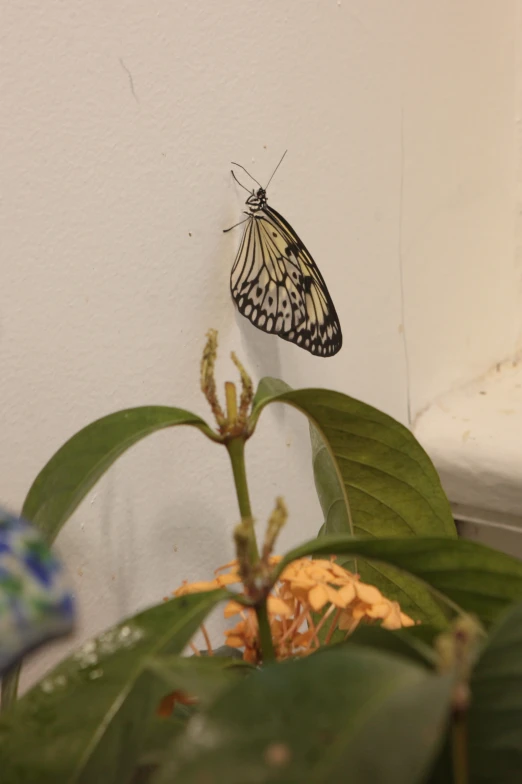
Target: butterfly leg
[{"x": 238, "y": 224}]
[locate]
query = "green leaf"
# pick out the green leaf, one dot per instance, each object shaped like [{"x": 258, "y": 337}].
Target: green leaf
[
  {"x": 389, "y": 480},
  {"x": 423, "y": 634},
  {"x": 415, "y": 599},
  {"x": 495, "y": 717},
  {"x": 158, "y": 734},
  {"x": 330, "y": 489},
  {"x": 203, "y": 676},
  {"x": 76, "y": 467},
  {"x": 372, "y": 478},
  {"x": 85, "y": 722},
  {"x": 392, "y": 642},
  {"x": 475, "y": 578},
  {"x": 226, "y": 651},
  {"x": 351, "y": 713},
  {"x": 442, "y": 771}
]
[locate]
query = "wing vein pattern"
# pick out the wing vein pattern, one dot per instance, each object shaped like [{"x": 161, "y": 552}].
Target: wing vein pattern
[{"x": 276, "y": 284}]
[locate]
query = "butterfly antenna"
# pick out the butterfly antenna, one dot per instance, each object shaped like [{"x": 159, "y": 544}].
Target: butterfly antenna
[
  {"x": 276, "y": 168},
  {"x": 247, "y": 172},
  {"x": 239, "y": 183}
]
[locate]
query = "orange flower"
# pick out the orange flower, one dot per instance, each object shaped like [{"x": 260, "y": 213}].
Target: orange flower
[{"x": 306, "y": 586}]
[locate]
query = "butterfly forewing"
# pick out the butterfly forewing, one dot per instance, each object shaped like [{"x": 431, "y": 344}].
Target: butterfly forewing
[
  {"x": 262, "y": 281},
  {"x": 278, "y": 287}
]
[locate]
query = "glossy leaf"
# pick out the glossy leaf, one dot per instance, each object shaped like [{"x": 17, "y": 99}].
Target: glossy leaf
[
  {"x": 85, "y": 722},
  {"x": 495, "y": 717},
  {"x": 76, "y": 467},
  {"x": 351, "y": 713},
  {"x": 388, "y": 479},
  {"x": 372, "y": 478},
  {"x": 475, "y": 578},
  {"x": 415, "y": 599}
]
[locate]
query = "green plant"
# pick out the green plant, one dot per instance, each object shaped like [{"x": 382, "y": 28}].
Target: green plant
[{"x": 435, "y": 701}]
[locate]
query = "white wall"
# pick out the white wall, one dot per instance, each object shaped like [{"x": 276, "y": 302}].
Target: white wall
[
  {"x": 119, "y": 121},
  {"x": 462, "y": 277}
]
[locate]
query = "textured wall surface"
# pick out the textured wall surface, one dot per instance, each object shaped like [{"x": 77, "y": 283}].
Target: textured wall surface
[
  {"x": 119, "y": 121},
  {"x": 462, "y": 281}
]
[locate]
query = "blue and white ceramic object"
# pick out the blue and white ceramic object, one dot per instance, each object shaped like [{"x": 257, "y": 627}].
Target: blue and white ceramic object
[{"x": 36, "y": 603}]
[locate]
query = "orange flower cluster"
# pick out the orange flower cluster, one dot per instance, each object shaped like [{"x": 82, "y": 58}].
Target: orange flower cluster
[{"x": 305, "y": 587}]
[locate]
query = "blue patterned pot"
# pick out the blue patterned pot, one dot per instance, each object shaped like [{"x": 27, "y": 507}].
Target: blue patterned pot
[{"x": 36, "y": 603}]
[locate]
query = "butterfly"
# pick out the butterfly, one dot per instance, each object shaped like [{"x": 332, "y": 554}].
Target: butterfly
[{"x": 275, "y": 282}]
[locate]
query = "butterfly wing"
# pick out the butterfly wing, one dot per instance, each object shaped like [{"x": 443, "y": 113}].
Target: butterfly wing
[
  {"x": 278, "y": 287},
  {"x": 320, "y": 331},
  {"x": 264, "y": 284}
]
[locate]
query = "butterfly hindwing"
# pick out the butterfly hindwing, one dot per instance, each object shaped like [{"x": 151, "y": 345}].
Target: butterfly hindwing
[
  {"x": 279, "y": 288},
  {"x": 320, "y": 331}
]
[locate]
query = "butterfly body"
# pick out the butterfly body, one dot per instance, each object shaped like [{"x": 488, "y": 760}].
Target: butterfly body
[
  {"x": 276, "y": 284},
  {"x": 257, "y": 200}
]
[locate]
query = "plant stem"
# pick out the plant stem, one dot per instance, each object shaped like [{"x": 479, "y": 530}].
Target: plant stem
[
  {"x": 236, "y": 451},
  {"x": 459, "y": 742},
  {"x": 265, "y": 635}
]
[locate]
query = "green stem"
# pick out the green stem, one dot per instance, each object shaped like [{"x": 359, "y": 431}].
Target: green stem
[
  {"x": 265, "y": 635},
  {"x": 459, "y": 741},
  {"x": 236, "y": 451}
]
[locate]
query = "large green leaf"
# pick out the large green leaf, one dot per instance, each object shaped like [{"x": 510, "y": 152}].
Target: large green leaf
[
  {"x": 389, "y": 480},
  {"x": 86, "y": 721},
  {"x": 201, "y": 676},
  {"x": 397, "y": 642},
  {"x": 331, "y": 492},
  {"x": 204, "y": 676},
  {"x": 159, "y": 733},
  {"x": 349, "y": 714},
  {"x": 473, "y": 577},
  {"x": 495, "y": 717},
  {"x": 414, "y": 598},
  {"x": 76, "y": 467},
  {"x": 372, "y": 478}
]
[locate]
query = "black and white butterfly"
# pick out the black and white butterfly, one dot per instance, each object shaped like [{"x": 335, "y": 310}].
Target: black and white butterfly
[{"x": 275, "y": 282}]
